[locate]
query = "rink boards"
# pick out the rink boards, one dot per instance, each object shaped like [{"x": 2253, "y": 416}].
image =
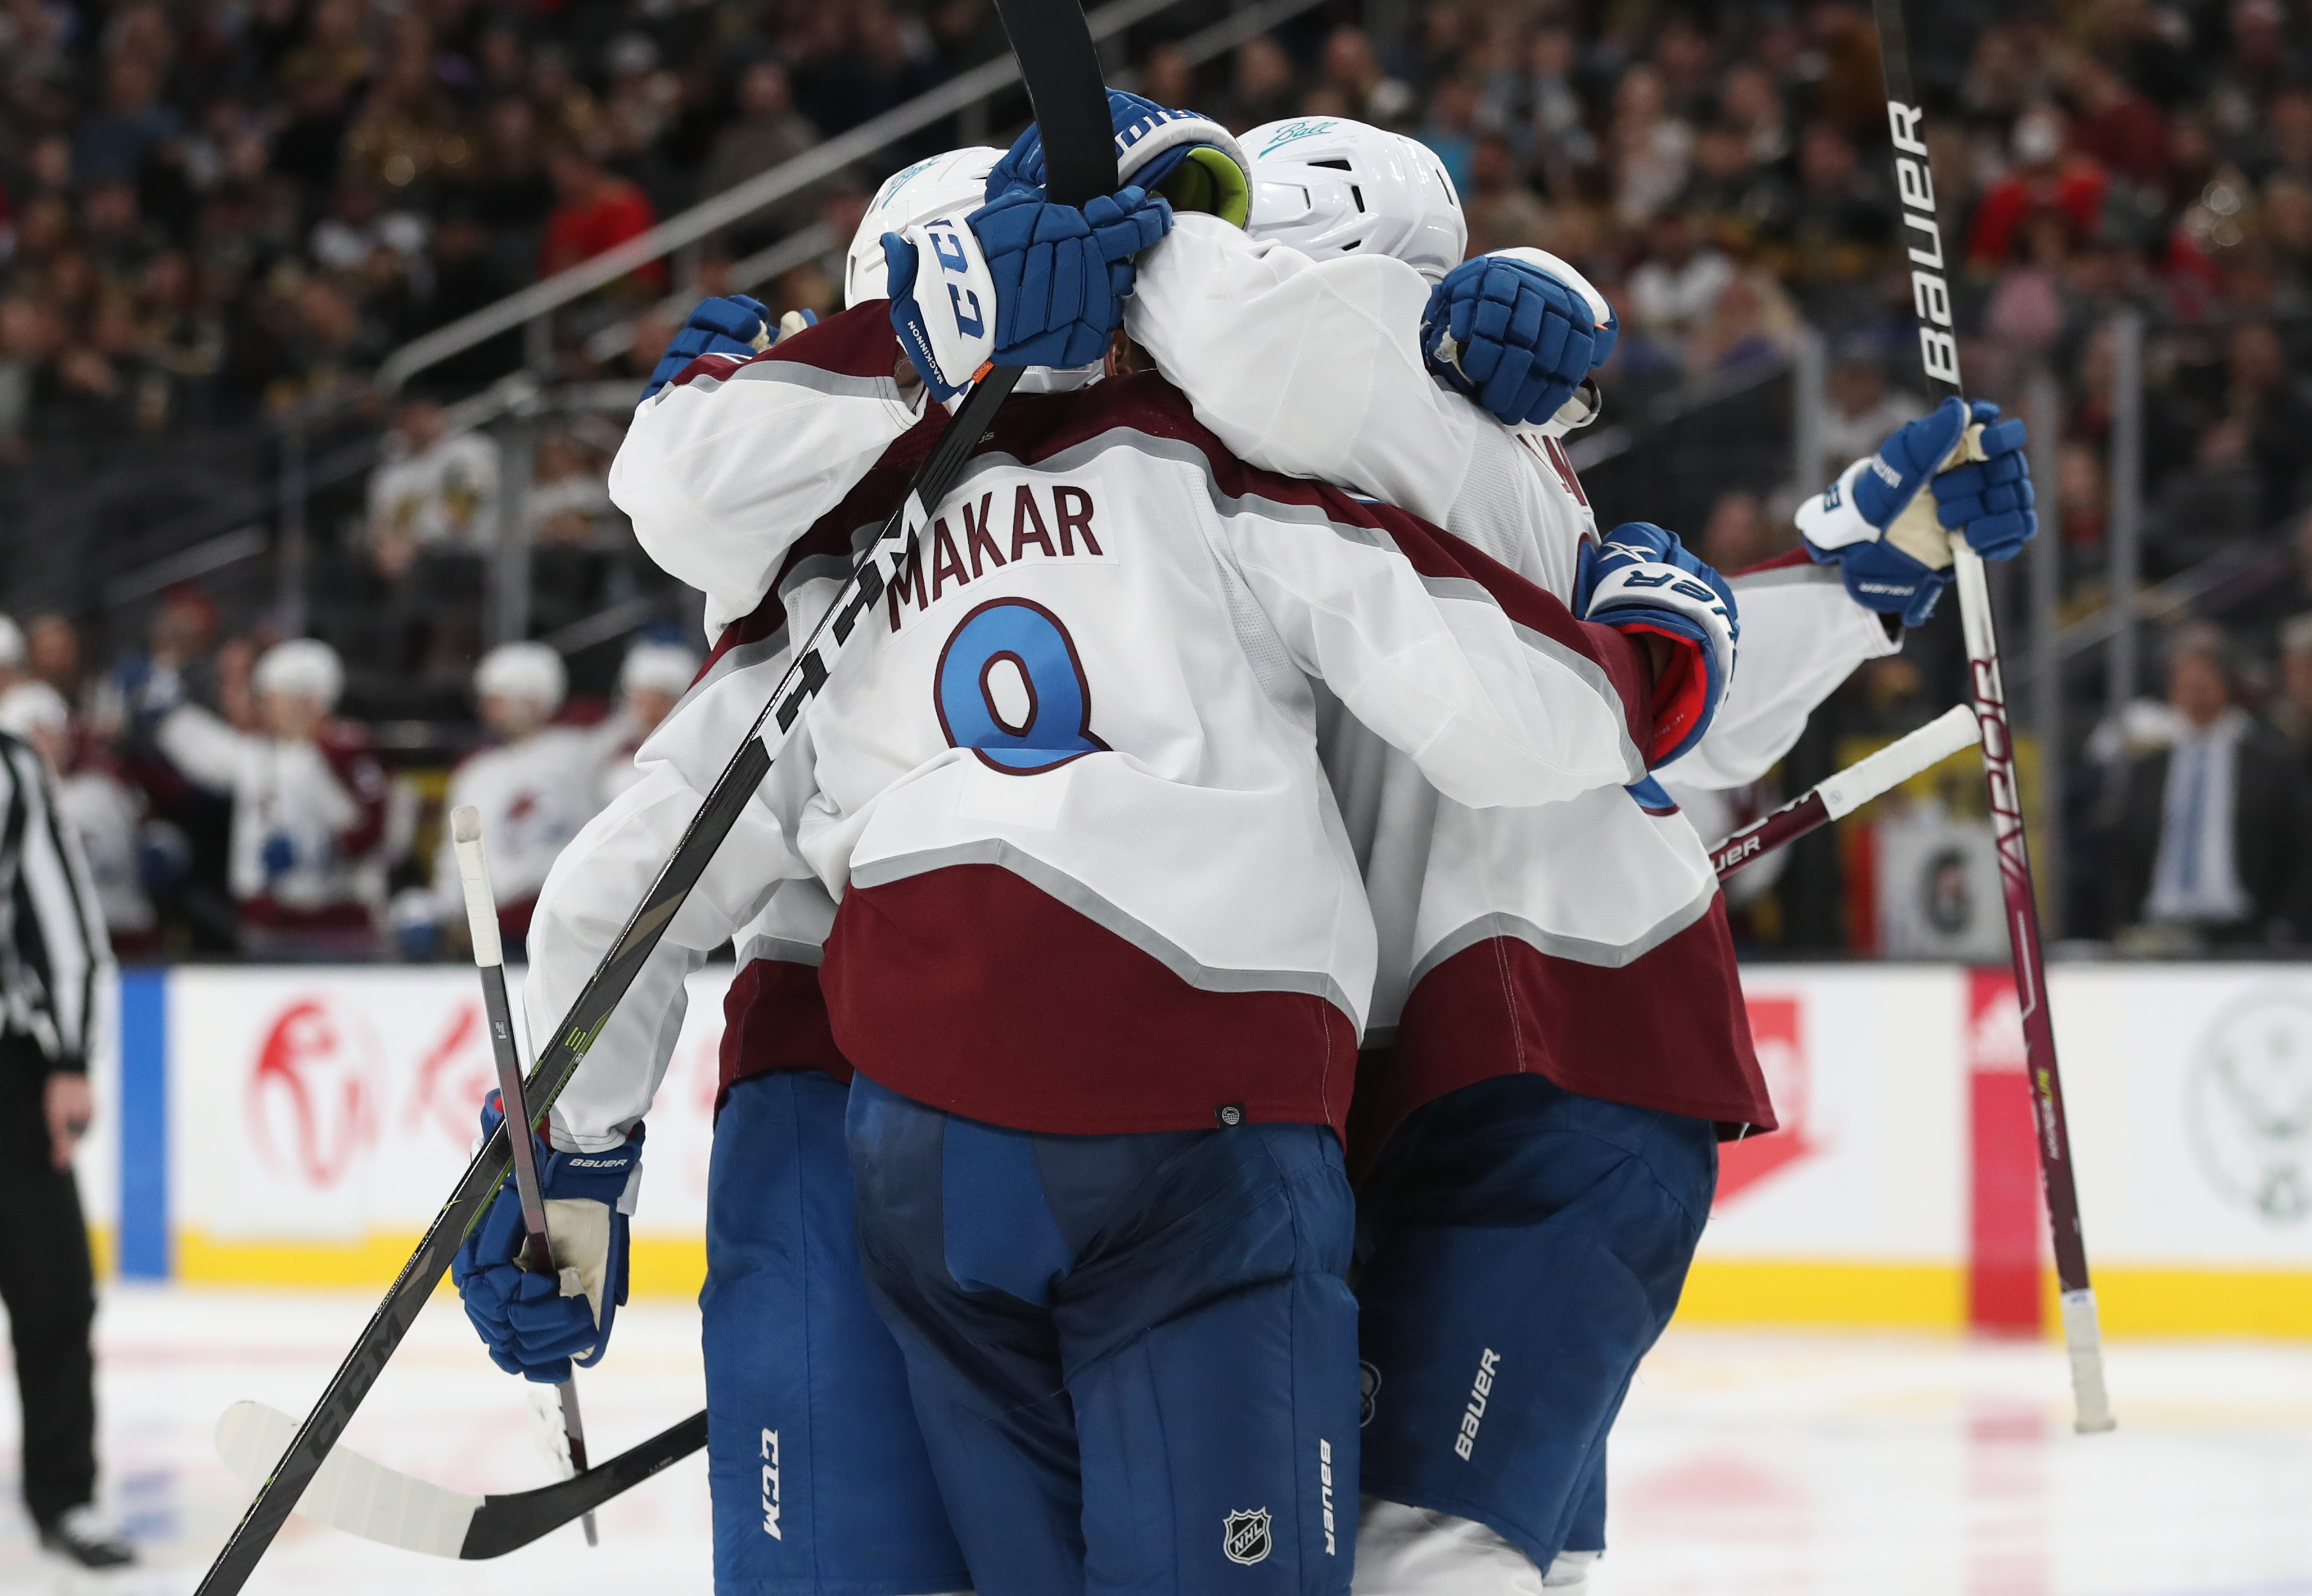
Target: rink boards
[{"x": 291, "y": 1125}]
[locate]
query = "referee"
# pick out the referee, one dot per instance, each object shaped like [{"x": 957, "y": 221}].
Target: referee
[{"x": 53, "y": 958}]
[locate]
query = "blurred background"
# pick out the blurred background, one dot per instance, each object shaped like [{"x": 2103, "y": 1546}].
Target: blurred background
[{"x": 323, "y": 318}]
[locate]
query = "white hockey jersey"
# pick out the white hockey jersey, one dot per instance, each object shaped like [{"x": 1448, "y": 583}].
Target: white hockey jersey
[
  {"x": 1067, "y": 788},
  {"x": 533, "y": 794},
  {"x": 317, "y": 807},
  {"x": 1584, "y": 940}
]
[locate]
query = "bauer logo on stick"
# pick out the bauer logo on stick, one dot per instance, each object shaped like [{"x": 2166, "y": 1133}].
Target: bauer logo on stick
[
  {"x": 1244, "y": 1536},
  {"x": 1924, "y": 237}
]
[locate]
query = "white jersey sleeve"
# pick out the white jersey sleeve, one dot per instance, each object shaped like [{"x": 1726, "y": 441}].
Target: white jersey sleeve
[
  {"x": 209, "y": 752},
  {"x": 1313, "y": 368},
  {"x": 595, "y": 884},
  {"x": 1488, "y": 683},
  {"x": 726, "y": 465},
  {"x": 1801, "y": 636}
]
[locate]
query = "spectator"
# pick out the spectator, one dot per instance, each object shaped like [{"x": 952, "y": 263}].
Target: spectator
[
  {"x": 534, "y": 787},
  {"x": 306, "y": 868},
  {"x": 2292, "y": 712},
  {"x": 1504, "y": 213},
  {"x": 1677, "y": 286},
  {"x": 768, "y": 132},
  {"x": 1734, "y": 537},
  {"x": 1261, "y": 86},
  {"x": 52, "y": 653},
  {"x": 594, "y": 210},
  {"x": 175, "y": 668},
  {"x": 1650, "y": 148},
  {"x": 1862, "y": 407},
  {"x": 2115, "y": 126},
  {"x": 1365, "y": 91},
  {"x": 436, "y": 489},
  {"x": 2210, "y": 845},
  {"x": 651, "y": 683},
  {"x": 2045, "y": 176}
]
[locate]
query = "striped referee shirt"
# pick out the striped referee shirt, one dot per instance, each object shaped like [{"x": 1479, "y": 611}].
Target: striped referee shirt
[{"x": 53, "y": 948}]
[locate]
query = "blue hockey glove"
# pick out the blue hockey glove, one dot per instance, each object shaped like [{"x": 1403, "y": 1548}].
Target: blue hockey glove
[
  {"x": 1021, "y": 284},
  {"x": 277, "y": 854},
  {"x": 1644, "y": 580},
  {"x": 538, "y": 1326},
  {"x": 1990, "y": 499},
  {"x": 737, "y": 326},
  {"x": 1511, "y": 336},
  {"x": 1876, "y": 526},
  {"x": 1186, "y": 156}
]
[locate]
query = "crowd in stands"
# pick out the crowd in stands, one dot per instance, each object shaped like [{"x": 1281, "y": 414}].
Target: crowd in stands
[
  {"x": 225, "y": 808},
  {"x": 209, "y": 213}
]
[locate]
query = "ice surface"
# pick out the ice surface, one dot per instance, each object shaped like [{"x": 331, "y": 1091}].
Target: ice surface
[{"x": 1745, "y": 1462}]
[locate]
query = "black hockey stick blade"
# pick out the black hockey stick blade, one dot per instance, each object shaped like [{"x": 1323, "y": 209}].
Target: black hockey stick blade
[
  {"x": 358, "y": 1497},
  {"x": 502, "y": 1523},
  {"x": 1058, "y": 42}
]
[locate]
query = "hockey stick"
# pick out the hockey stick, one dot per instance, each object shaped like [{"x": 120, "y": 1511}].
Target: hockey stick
[
  {"x": 489, "y": 964},
  {"x": 365, "y": 1498},
  {"x": 1061, "y": 71},
  {"x": 1839, "y": 795},
  {"x": 361, "y": 1497},
  {"x": 1923, "y": 240}
]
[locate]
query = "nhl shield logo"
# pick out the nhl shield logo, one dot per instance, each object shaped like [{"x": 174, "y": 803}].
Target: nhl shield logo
[{"x": 1244, "y": 1535}]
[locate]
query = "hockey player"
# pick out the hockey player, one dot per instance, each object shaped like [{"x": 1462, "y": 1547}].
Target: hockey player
[
  {"x": 535, "y": 788},
  {"x": 802, "y": 1378},
  {"x": 651, "y": 680},
  {"x": 308, "y": 802},
  {"x": 894, "y": 1004},
  {"x": 1539, "y": 1176}
]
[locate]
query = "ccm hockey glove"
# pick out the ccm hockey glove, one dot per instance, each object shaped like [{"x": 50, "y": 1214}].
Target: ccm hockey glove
[
  {"x": 1020, "y": 283},
  {"x": 1644, "y": 580},
  {"x": 738, "y": 327},
  {"x": 1514, "y": 336},
  {"x": 538, "y": 1326}
]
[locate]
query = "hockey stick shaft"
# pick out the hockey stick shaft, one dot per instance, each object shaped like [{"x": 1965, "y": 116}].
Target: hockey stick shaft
[
  {"x": 1922, "y": 240},
  {"x": 1842, "y": 794},
  {"x": 1062, "y": 70},
  {"x": 497, "y": 1009}
]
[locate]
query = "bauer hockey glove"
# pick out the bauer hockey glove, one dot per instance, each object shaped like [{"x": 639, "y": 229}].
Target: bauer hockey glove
[
  {"x": 1515, "y": 335},
  {"x": 1877, "y": 526},
  {"x": 1989, "y": 500},
  {"x": 1186, "y": 156},
  {"x": 538, "y": 1326},
  {"x": 1020, "y": 283},
  {"x": 1644, "y": 580},
  {"x": 737, "y": 326}
]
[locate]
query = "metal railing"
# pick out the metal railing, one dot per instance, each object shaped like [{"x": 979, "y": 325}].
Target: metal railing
[
  {"x": 230, "y": 528},
  {"x": 823, "y": 161}
]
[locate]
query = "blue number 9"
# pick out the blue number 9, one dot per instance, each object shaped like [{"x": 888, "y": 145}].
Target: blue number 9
[{"x": 1021, "y": 652}]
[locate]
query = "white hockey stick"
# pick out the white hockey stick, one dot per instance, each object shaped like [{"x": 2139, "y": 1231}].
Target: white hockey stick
[{"x": 365, "y": 1498}]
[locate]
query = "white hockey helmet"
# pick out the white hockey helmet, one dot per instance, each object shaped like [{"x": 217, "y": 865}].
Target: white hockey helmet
[
  {"x": 1327, "y": 185},
  {"x": 912, "y": 194},
  {"x": 29, "y": 706},
  {"x": 303, "y": 667},
  {"x": 532, "y": 673},
  {"x": 658, "y": 667}
]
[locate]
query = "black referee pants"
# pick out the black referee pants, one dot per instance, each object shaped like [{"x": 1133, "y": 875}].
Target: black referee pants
[{"x": 50, "y": 1289}]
